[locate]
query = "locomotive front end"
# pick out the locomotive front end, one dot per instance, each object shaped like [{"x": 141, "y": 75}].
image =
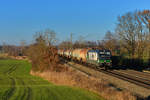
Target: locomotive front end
[{"x": 105, "y": 58}]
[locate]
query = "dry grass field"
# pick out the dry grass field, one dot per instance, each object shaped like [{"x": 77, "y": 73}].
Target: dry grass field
[{"x": 75, "y": 78}]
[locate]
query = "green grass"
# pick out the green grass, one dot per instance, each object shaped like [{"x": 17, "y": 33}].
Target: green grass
[{"x": 17, "y": 84}]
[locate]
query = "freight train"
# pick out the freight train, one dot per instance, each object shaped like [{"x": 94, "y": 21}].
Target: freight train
[{"x": 97, "y": 57}]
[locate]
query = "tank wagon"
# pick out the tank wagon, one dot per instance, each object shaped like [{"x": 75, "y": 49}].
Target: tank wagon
[
  {"x": 79, "y": 55},
  {"x": 67, "y": 53},
  {"x": 99, "y": 58},
  {"x": 61, "y": 52}
]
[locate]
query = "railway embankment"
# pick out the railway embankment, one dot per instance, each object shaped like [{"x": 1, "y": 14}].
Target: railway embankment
[
  {"x": 114, "y": 82},
  {"x": 76, "y": 78}
]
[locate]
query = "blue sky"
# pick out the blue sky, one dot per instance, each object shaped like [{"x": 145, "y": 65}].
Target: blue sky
[{"x": 20, "y": 19}]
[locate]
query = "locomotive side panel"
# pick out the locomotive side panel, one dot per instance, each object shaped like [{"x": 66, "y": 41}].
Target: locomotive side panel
[{"x": 93, "y": 57}]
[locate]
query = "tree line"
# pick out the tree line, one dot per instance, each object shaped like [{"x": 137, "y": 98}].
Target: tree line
[{"x": 129, "y": 43}]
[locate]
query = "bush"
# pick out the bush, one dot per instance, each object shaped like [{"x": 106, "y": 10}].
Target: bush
[{"x": 43, "y": 54}]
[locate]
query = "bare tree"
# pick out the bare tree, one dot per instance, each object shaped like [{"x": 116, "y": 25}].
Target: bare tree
[
  {"x": 144, "y": 20},
  {"x": 50, "y": 37},
  {"x": 4, "y": 47},
  {"x": 80, "y": 43},
  {"x": 110, "y": 42},
  {"x": 126, "y": 29},
  {"x": 22, "y": 46},
  {"x": 65, "y": 44},
  {"x": 141, "y": 41},
  {"x": 43, "y": 52}
]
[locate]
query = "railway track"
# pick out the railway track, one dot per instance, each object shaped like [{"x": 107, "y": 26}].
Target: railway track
[
  {"x": 132, "y": 79},
  {"x": 137, "y": 80},
  {"x": 143, "y": 75}
]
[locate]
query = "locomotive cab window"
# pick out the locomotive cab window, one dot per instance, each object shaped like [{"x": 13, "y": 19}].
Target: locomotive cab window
[{"x": 104, "y": 54}]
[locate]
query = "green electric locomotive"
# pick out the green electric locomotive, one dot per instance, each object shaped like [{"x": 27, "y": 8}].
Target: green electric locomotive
[{"x": 100, "y": 58}]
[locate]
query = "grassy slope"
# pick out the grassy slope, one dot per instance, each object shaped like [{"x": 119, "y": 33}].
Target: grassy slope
[{"x": 17, "y": 84}]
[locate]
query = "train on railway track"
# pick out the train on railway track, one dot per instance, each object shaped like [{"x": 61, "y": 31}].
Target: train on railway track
[{"x": 100, "y": 58}]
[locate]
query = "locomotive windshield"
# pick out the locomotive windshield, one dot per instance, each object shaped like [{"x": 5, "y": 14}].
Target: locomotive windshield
[{"x": 105, "y": 54}]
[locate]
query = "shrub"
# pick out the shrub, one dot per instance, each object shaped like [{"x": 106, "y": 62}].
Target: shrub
[{"x": 43, "y": 54}]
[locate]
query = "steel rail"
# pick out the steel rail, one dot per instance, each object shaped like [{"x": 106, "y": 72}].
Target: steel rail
[{"x": 135, "y": 80}]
